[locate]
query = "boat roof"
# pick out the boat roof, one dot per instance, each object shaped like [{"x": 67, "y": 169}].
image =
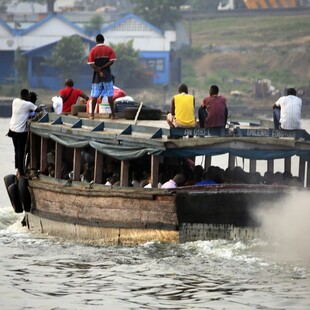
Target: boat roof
[{"x": 125, "y": 140}]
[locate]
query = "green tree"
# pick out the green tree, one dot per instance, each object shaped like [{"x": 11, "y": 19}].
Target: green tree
[
  {"x": 20, "y": 66},
  {"x": 127, "y": 69},
  {"x": 68, "y": 56},
  {"x": 160, "y": 12},
  {"x": 4, "y": 5},
  {"x": 94, "y": 24}
]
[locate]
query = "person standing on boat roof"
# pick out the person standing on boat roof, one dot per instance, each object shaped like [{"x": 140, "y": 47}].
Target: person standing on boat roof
[
  {"x": 182, "y": 112},
  {"x": 21, "y": 109},
  {"x": 70, "y": 95},
  {"x": 287, "y": 111},
  {"x": 213, "y": 111},
  {"x": 101, "y": 58}
]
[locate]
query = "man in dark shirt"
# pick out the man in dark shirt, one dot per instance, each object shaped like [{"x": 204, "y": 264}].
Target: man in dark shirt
[
  {"x": 101, "y": 58},
  {"x": 216, "y": 109}
]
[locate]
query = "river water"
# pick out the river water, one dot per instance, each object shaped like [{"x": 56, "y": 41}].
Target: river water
[{"x": 41, "y": 272}]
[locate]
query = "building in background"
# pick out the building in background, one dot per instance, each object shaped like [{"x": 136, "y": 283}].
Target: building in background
[
  {"x": 35, "y": 40},
  {"x": 153, "y": 44},
  {"x": 261, "y": 4},
  {"x": 45, "y": 32}
]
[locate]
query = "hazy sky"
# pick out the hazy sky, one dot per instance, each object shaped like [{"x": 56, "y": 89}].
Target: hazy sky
[{"x": 37, "y": 8}]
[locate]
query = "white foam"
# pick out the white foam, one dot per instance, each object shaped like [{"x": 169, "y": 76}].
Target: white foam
[
  {"x": 9, "y": 218},
  {"x": 287, "y": 224}
]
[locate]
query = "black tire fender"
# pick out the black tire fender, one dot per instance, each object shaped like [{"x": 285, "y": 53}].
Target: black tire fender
[
  {"x": 14, "y": 197},
  {"x": 24, "y": 193}
]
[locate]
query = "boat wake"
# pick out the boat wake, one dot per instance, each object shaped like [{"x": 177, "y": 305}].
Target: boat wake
[
  {"x": 286, "y": 224},
  {"x": 9, "y": 219}
]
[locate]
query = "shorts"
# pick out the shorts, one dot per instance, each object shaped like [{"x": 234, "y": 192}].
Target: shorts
[
  {"x": 175, "y": 123},
  {"x": 102, "y": 89}
]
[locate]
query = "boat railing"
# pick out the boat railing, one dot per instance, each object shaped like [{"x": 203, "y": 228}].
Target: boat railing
[
  {"x": 99, "y": 125},
  {"x": 261, "y": 143},
  {"x": 233, "y": 129},
  {"x": 273, "y": 133},
  {"x": 240, "y": 132}
]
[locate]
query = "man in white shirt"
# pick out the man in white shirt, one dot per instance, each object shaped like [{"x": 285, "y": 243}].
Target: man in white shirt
[
  {"x": 21, "y": 108},
  {"x": 177, "y": 181},
  {"x": 287, "y": 111}
]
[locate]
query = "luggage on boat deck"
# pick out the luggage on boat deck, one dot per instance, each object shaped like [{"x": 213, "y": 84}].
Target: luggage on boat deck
[
  {"x": 24, "y": 193},
  {"x": 145, "y": 113},
  {"x": 77, "y": 108},
  {"x": 13, "y": 192},
  {"x": 121, "y": 104}
]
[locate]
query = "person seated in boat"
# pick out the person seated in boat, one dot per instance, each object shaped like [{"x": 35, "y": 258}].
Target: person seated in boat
[
  {"x": 51, "y": 166},
  {"x": 287, "y": 177},
  {"x": 273, "y": 178},
  {"x": 296, "y": 181},
  {"x": 182, "y": 111},
  {"x": 187, "y": 165},
  {"x": 146, "y": 175},
  {"x": 287, "y": 111},
  {"x": 70, "y": 95},
  {"x": 51, "y": 170},
  {"x": 239, "y": 175},
  {"x": 214, "y": 175},
  {"x": 227, "y": 175},
  {"x": 254, "y": 178},
  {"x": 111, "y": 167},
  {"x": 135, "y": 180},
  {"x": 112, "y": 180},
  {"x": 177, "y": 181},
  {"x": 50, "y": 158},
  {"x": 87, "y": 157},
  {"x": 267, "y": 178},
  {"x": 148, "y": 183},
  {"x": 162, "y": 178},
  {"x": 213, "y": 112},
  {"x": 88, "y": 172},
  {"x": 197, "y": 176},
  {"x": 277, "y": 178}
]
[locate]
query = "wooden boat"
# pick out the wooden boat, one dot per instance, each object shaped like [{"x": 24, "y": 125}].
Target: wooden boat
[{"x": 96, "y": 213}]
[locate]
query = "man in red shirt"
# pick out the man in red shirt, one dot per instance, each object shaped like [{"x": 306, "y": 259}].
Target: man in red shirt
[
  {"x": 216, "y": 109},
  {"x": 101, "y": 57},
  {"x": 70, "y": 95}
]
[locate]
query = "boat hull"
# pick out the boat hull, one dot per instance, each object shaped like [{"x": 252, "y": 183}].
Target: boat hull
[
  {"x": 98, "y": 235},
  {"x": 104, "y": 215},
  {"x": 229, "y": 211}
]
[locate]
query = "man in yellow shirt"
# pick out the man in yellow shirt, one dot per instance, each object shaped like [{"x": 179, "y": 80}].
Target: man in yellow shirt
[{"x": 182, "y": 113}]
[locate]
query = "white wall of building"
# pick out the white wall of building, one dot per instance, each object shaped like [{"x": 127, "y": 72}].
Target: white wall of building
[{"x": 48, "y": 32}]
